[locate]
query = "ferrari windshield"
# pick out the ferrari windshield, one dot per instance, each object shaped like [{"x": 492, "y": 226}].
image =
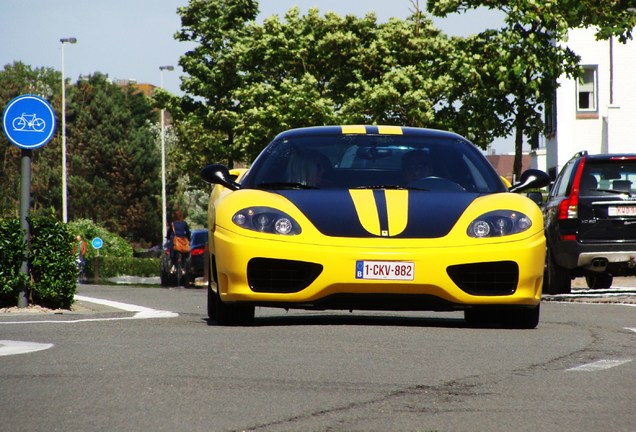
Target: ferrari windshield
[{"x": 322, "y": 161}]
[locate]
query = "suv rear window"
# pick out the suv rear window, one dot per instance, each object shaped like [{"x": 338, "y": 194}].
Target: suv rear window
[{"x": 609, "y": 176}]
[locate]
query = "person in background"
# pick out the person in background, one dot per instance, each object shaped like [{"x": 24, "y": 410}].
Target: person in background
[
  {"x": 178, "y": 228},
  {"x": 80, "y": 250}
]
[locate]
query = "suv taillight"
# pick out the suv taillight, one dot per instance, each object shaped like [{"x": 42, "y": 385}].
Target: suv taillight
[{"x": 569, "y": 207}]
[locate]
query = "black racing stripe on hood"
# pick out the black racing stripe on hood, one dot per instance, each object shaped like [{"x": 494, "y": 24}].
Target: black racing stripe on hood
[
  {"x": 331, "y": 211},
  {"x": 380, "y": 202},
  {"x": 430, "y": 215},
  {"x": 433, "y": 214}
]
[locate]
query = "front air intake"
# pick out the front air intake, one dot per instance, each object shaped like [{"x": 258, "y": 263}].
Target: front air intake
[
  {"x": 280, "y": 276},
  {"x": 487, "y": 278}
]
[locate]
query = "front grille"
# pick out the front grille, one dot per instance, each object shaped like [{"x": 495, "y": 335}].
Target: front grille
[
  {"x": 487, "y": 278},
  {"x": 280, "y": 276}
]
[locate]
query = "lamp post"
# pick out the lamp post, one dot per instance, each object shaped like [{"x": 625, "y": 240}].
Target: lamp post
[
  {"x": 71, "y": 40},
  {"x": 164, "y": 216}
]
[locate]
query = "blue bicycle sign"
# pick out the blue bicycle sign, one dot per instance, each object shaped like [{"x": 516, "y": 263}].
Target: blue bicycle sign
[{"x": 28, "y": 121}]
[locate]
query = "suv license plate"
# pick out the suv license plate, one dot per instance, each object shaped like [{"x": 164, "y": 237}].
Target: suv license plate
[
  {"x": 621, "y": 211},
  {"x": 385, "y": 270}
]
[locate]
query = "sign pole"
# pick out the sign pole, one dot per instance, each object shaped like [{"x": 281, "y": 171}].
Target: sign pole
[
  {"x": 97, "y": 244},
  {"x": 28, "y": 122},
  {"x": 25, "y": 200}
]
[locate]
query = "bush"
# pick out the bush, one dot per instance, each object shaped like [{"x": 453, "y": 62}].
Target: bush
[
  {"x": 117, "y": 266},
  {"x": 114, "y": 245},
  {"x": 12, "y": 254},
  {"x": 52, "y": 279},
  {"x": 52, "y": 263}
]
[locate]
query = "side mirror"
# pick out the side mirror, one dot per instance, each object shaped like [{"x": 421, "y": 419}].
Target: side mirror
[
  {"x": 219, "y": 174},
  {"x": 531, "y": 179},
  {"x": 537, "y": 197}
]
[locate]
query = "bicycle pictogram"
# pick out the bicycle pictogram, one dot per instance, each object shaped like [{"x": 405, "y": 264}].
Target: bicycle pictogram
[{"x": 28, "y": 123}]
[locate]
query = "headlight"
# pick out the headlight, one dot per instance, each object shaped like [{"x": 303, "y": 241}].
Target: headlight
[
  {"x": 499, "y": 223},
  {"x": 266, "y": 220}
]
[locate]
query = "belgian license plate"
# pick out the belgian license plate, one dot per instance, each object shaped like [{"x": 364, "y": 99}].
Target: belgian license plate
[
  {"x": 622, "y": 211},
  {"x": 385, "y": 270}
]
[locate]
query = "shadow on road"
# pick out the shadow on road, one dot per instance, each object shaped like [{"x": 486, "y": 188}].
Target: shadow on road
[{"x": 356, "y": 320}]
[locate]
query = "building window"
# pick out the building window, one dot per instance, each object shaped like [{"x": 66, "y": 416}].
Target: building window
[
  {"x": 586, "y": 90},
  {"x": 551, "y": 116}
]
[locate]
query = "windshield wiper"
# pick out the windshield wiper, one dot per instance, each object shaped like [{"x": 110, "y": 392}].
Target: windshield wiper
[
  {"x": 393, "y": 187},
  {"x": 612, "y": 191},
  {"x": 379, "y": 187},
  {"x": 285, "y": 185}
]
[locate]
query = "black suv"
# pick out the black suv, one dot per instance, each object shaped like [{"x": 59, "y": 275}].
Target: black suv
[{"x": 590, "y": 222}]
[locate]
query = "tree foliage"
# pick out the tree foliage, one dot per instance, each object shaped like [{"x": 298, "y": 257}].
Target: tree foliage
[
  {"x": 513, "y": 70},
  {"x": 114, "y": 160},
  {"x": 247, "y": 81},
  {"x": 112, "y": 154},
  {"x": 17, "y": 79}
]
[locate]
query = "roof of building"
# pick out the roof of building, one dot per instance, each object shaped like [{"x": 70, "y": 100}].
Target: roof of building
[{"x": 503, "y": 164}]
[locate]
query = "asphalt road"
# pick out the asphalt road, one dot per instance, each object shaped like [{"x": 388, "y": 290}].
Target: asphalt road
[{"x": 153, "y": 363}]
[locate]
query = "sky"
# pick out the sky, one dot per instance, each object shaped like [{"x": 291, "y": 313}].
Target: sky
[{"x": 130, "y": 39}]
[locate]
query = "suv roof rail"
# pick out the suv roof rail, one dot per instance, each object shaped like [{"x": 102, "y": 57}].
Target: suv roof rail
[{"x": 580, "y": 154}]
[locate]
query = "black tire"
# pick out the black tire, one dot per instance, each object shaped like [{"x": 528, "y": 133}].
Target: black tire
[
  {"x": 599, "y": 280},
  {"x": 521, "y": 317},
  {"x": 556, "y": 279},
  {"x": 232, "y": 314},
  {"x": 211, "y": 293},
  {"x": 481, "y": 317},
  {"x": 211, "y": 302},
  {"x": 225, "y": 314}
]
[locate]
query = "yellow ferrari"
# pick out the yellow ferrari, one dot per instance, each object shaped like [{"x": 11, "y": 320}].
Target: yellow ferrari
[{"x": 374, "y": 218}]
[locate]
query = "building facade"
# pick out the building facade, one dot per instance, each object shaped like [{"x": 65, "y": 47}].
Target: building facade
[{"x": 596, "y": 112}]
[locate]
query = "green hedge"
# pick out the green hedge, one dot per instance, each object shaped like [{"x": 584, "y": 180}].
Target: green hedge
[
  {"x": 12, "y": 252},
  {"x": 52, "y": 263},
  {"x": 114, "y": 245},
  {"x": 110, "y": 266},
  {"x": 52, "y": 277}
]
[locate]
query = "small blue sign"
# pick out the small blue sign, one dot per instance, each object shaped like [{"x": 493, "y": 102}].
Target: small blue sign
[
  {"x": 28, "y": 121},
  {"x": 97, "y": 243}
]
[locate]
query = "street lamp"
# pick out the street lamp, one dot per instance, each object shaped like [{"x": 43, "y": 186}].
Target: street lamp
[
  {"x": 71, "y": 40},
  {"x": 164, "y": 216}
]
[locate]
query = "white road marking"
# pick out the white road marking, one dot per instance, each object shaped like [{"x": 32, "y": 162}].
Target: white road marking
[
  {"x": 599, "y": 365},
  {"x": 631, "y": 328},
  {"x": 142, "y": 312},
  {"x": 9, "y": 347}
]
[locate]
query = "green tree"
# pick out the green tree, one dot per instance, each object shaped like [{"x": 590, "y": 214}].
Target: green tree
[
  {"x": 253, "y": 80},
  {"x": 513, "y": 71},
  {"x": 112, "y": 154},
  {"x": 114, "y": 160},
  {"x": 17, "y": 79},
  {"x": 211, "y": 67}
]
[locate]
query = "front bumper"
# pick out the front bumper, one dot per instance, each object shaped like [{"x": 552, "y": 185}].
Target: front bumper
[{"x": 432, "y": 287}]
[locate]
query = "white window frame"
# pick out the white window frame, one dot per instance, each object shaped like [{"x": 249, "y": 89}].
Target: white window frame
[{"x": 587, "y": 84}]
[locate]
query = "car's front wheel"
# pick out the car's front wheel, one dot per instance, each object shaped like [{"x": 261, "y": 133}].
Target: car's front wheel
[
  {"x": 556, "y": 279},
  {"x": 521, "y": 317},
  {"x": 599, "y": 280},
  {"x": 233, "y": 314},
  {"x": 513, "y": 318},
  {"x": 225, "y": 314}
]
